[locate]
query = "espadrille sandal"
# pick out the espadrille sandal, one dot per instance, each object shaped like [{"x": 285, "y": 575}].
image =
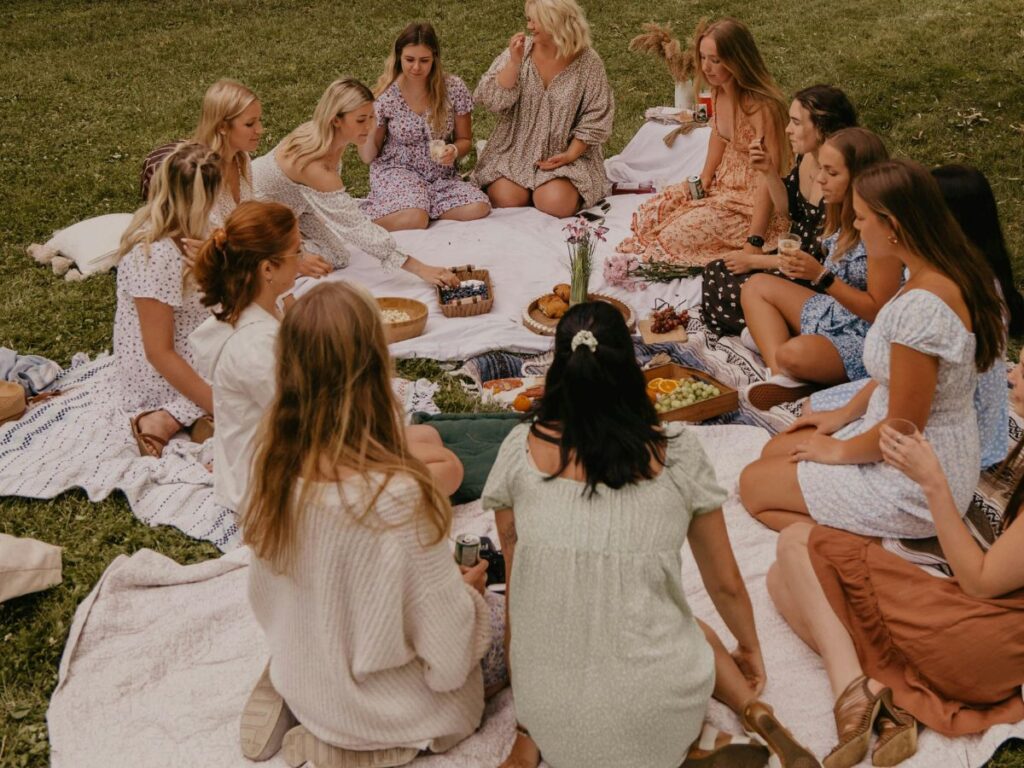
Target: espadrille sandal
[
  {"x": 265, "y": 720},
  {"x": 301, "y": 746}
]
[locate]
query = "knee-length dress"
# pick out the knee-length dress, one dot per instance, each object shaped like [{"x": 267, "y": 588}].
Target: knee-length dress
[
  {"x": 157, "y": 275},
  {"x": 877, "y": 499},
  {"x": 536, "y": 122},
  {"x": 403, "y": 175},
  {"x": 720, "y": 291},
  {"x": 610, "y": 668},
  {"x": 672, "y": 227},
  {"x": 955, "y": 662}
]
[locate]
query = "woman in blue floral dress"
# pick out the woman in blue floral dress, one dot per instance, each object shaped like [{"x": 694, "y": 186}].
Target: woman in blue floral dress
[
  {"x": 419, "y": 105},
  {"x": 818, "y": 337}
]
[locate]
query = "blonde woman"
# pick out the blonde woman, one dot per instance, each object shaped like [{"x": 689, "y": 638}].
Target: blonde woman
[
  {"x": 555, "y": 111},
  {"x": 418, "y": 104},
  {"x": 158, "y": 305},
  {"x": 302, "y": 172},
  {"x": 749, "y": 114},
  {"x": 352, "y": 580}
]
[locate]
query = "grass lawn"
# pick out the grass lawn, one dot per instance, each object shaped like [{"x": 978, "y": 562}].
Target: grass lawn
[{"x": 88, "y": 88}]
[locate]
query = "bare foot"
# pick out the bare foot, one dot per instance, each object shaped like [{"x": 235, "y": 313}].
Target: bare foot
[
  {"x": 524, "y": 753},
  {"x": 159, "y": 424}
]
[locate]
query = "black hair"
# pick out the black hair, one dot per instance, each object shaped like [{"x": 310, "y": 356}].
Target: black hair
[
  {"x": 596, "y": 401},
  {"x": 829, "y": 107},
  {"x": 970, "y": 200}
]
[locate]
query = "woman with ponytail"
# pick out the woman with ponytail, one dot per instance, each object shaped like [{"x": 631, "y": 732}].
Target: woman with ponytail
[
  {"x": 243, "y": 270},
  {"x": 158, "y": 304},
  {"x": 593, "y": 500}
]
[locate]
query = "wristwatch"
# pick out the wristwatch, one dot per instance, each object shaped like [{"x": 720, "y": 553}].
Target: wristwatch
[
  {"x": 756, "y": 240},
  {"x": 824, "y": 282}
]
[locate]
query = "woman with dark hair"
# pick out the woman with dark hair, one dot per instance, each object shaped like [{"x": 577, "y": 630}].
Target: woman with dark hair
[
  {"x": 593, "y": 500},
  {"x": 970, "y": 200},
  {"x": 418, "y": 104},
  {"x": 924, "y": 353},
  {"x": 816, "y": 113}
]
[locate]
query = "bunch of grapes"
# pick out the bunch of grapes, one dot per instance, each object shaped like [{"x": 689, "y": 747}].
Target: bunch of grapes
[
  {"x": 667, "y": 319},
  {"x": 687, "y": 392},
  {"x": 465, "y": 290}
]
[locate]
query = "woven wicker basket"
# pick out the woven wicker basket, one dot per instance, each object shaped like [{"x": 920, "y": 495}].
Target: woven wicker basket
[
  {"x": 475, "y": 305},
  {"x": 410, "y": 328}
]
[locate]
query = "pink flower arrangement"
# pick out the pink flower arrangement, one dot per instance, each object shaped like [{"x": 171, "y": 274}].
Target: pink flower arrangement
[{"x": 619, "y": 271}]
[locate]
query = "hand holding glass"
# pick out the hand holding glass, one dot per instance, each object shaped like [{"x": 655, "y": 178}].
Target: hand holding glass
[{"x": 789, "y": 244}]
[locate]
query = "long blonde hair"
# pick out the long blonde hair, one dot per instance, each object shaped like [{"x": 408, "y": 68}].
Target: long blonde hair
[
  {"x": 312, "y": 139},
  {"x": 224, "y": 101},
  {"x": 181, "y": 197},
  {"x": 755, "y": 86},
  {"x": 565, "y": 22},
  {"x": 334, "y": 408},
  {"x": 420, "y": 33},
  {"x": 860, "y": 149}
]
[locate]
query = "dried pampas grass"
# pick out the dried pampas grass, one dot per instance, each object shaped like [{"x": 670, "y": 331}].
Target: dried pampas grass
[{"x": 658, "y": 40}]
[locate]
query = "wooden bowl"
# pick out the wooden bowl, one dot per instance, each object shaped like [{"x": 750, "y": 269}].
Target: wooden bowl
[
  {"x": 407, "y": 329},
  {"x": 543, "y": 325},
  {"x": 726, "y": 402}
]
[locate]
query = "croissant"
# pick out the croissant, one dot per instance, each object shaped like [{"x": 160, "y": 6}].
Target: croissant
[
  {"x": 553, "y": 306},
  {"x": 562, "y": 291}
]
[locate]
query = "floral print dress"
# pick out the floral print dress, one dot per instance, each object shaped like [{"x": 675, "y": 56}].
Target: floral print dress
[{"x": 403, "y": 175}]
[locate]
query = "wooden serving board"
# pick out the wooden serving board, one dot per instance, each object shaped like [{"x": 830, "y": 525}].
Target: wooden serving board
[
  {"x": 726, "y": 402},
  {"x": 677, "y": 336},
  {"x": 541, "y": 324}
]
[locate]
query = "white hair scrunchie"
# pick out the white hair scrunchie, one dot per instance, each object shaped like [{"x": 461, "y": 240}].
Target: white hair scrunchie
[{"x": 586, "y": 338}]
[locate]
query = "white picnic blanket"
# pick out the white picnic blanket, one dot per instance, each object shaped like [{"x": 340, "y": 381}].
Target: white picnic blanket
[
  {"x": 525, "y": 252},
  {"x": 82, "y": 439},
  {"x": 161, "y": 657}
]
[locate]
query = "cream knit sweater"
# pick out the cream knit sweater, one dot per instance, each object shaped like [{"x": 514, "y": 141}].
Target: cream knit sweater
[{"x": 375, "y": 639}]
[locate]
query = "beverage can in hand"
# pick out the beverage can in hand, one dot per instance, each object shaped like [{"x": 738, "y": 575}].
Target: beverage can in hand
[
  {"x": 700, "y": 114},
  {"x": 467, "y": 549},
  {"x": 696, "y": 187}
]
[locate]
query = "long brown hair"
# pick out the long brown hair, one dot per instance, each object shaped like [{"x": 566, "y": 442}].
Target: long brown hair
[
  {"x": 907, "y": 195},
  {"x": 227, "y": 266},
  {"x": 420, "y": 33},
  {"x": 860, "y": 148},
  {"x": 1009, "y": 467},
  {"x": 755, "y": 86},
  {"x": 334, "y": 409}
]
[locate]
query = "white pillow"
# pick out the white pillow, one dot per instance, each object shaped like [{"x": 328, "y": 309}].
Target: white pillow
[{"x": 92, "y": 244}]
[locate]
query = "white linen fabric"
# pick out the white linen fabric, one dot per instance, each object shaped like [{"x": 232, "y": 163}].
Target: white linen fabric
[
  {"x": 648, "y": 158},
  {"x": 161, "y": 658},
  {"x": 92, "y": 244},
  {"x": 239, "y": 360}
]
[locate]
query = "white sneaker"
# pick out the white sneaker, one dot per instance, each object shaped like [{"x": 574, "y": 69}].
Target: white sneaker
[
  {"x": 777, "y": 390},
  {"x": 747, "y": 340}
]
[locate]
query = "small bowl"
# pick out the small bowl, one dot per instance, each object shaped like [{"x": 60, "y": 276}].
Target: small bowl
[{"x": 407, "y": 329}]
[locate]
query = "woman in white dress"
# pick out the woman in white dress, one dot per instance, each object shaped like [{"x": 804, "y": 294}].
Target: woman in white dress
[
  {"x": 158, "y": 304},
  {"x": 302, "y": 173},
  {"x": 923, "y": 353}
]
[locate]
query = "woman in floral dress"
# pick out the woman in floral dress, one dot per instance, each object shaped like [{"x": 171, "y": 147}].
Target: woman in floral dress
[
  {"x": 417, "y": 103},
  {"x": 749, "y": 111}
]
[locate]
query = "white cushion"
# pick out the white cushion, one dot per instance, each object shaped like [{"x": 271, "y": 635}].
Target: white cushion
[
  {"x": 92, "y": 244},
  {"x": 27, "y": 565}
]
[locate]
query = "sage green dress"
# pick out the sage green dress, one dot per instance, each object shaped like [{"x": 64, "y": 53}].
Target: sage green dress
[{"x": 609, "y": 667}]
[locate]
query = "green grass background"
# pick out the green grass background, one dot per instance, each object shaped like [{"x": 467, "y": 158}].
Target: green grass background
[{"x": 88, "y": 88}]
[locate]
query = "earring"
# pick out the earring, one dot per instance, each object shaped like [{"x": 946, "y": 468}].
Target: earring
[{"x": 893, "y": 239}]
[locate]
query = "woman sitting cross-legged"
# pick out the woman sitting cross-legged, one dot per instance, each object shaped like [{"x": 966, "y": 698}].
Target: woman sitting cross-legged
[
  {"x": 302, "y": 173},
  {"x": 749, "y": 112},
  {"x": 816, "y": 113},
  {"x": 555, "y": 108},
  {"x": 159, "y": 305},
  {"x": 417, "y": 105},
  {"x": 375, "y": 636},
  {"x": 593, "y": 501},
  {"x": 898, "y": 643},
  {"x": 923, "y": 352},
  {"x": 816, "y": 334}
]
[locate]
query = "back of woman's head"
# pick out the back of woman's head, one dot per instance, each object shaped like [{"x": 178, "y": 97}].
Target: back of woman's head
[
  {"x": 829, "y": 108},
  {"x": 312, "y": 139},
  {"x": 907, "y": 196},
  {"x": 181, "y": 197},
  {"x": 970, "y": 200},
  {"x": 419, "y": 33},
  {"x": 860, "y": 149},
  {"x": 756, "y": 87},
  {"x": 564, "y": 21},
  {"x": 595, "y": 396},
  {"x": 334, "y": 408},
  {"x": 224, "y": 101},
  {"x": 227, "y": 266}
]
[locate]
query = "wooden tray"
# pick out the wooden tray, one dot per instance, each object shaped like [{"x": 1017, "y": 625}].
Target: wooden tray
[
  {"x": 677, "y": 335},
  {"x": 541, "y": 324},
  {"x": 726, "y": 402},
  {"x": 475, "y": 305},
  {"x": 410, "y": 328}
]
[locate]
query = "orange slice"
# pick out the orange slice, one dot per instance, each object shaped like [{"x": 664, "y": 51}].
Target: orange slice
[{"x": 667, "y": 386}]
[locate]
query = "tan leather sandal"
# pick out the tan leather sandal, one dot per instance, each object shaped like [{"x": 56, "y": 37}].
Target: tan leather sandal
[
  {"x": 301, "y": 746},
  {"x": 760, "y": 718},
  {"x": 717, "y": 748},
  {"x": 897, "y": 734},
  {"x": 201, "y": 429},
  {"x": 265, "y": 720},
  {"x": 149, "y": 444},
  {"x": 855, "y": 711}
]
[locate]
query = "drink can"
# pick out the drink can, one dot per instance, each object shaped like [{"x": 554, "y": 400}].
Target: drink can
[
  {"x": 700, "y": 114},
  {"x": 467, "y": 549},
  {"x": 707, "y": 102},
  {"x": 696, "y": 187}
]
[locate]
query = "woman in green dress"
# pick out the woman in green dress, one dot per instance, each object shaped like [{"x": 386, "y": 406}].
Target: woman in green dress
[{"x": 593, "y": 500}]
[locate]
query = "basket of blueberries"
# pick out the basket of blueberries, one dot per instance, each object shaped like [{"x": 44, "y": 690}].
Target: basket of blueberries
[{"x": 473, "y": 296}]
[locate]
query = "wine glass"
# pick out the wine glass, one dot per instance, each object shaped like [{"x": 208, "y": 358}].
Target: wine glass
[{"x": 789, "y": 244}]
